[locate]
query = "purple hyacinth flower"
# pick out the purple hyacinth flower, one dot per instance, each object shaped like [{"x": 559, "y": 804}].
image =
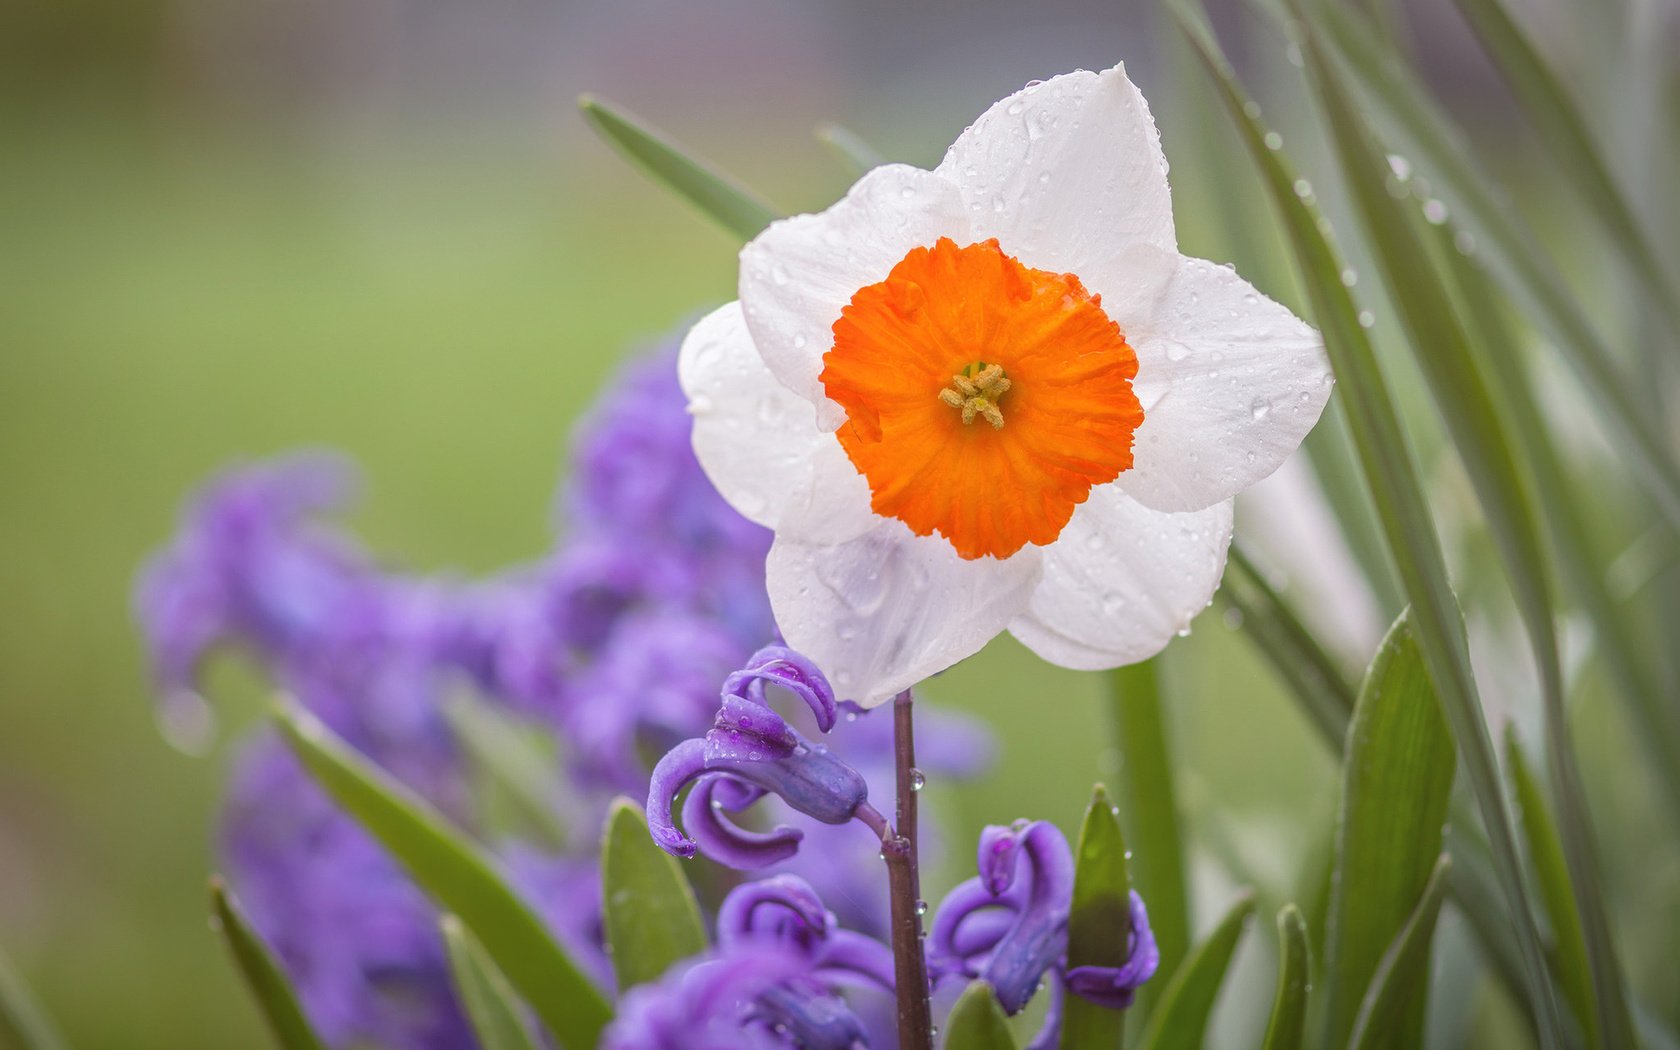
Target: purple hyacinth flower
[
  {"x": 1116, "y": 986},
  {"x": 753, "y": 747},
  {"x": 1008, "y": 926},
  {"x": 784, "y": 911},
  {"x": 704, "y": 1004}
]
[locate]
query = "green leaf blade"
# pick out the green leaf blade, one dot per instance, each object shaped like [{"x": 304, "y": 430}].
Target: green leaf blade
[
  {"x": 1180, "y": 1019},
  {"x": 1149, "y": 811},
  {"x": 1287, "y": 1027},
  {"x": 1391, "y": 478},
  {"x": 457, "y": 876},
  {"x": 721, "y": 198},
  {"x": 1099, "y": 923},
  {"x": 261, "y": 971},
  {"x": 652, "y": 918},
  {"x": 490, "y": 1003},
  {"x": 1396, "y": 784},
  {"x": 978, "y": 1022},
  {"x": 1545, "y": 851},
  {"x": 23, "y": 1021},
  {"x": 1398, "y": 986}
]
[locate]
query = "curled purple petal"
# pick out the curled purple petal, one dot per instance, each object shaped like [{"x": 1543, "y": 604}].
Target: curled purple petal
[
  {"x": 779, "y": 665},
  {"x": 680, "y": 765},
  {"x": 811, "y": 1016},
  {"x": 1116, "y": 986},
  {"x": 723, "y": 841},
  {"x": 748, "y": 731},
  {"x": 783, "y": 908},
  {"x": 850, "y": 955}
]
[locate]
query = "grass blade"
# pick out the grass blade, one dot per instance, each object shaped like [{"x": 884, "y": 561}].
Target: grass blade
[
  {"x": 1568, "y": 144},
  {"x": 1456, "y": 372},
  {"x": 1310, "y": 672},
  {"x": 1180, "y": 1019},
  {"x": 457, "y": 876},
  {"x": 652, "y": 918},
  {"x": 1524, "y": 265},
  {"x": 1391, "y": 477},
  {"x": 268, "y": 983},
  {"x": 857, "y": 155},
  {"x": 1401, "y": 981},
  {"x": 1288, "y": 1024},
  {"x": 1149, "y": 811},
  {"x": 491, "y": 1005},
  {"x": 22, "y": 1020},
  {"x": 1563, "y": 504},
  {"x": 515, "y": 773},
  {"x": 1099, "y": 924},
  {"x": 731, "y": 205},
  {"x": 978, "y": 1022},
  {"x": 1569, "y": 946},
  {"x": 1396, "y": 783}
]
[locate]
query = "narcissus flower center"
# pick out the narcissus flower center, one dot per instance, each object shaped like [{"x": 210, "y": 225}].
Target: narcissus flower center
[{"x": 932, "y": 362}]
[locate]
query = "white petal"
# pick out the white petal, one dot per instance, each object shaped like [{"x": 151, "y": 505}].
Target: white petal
[
  {"x": 798, "y": 273},
  {"x": 832, "y": 505},
  {"x": 887, "y": 609},
  {"x": 753, "y": 435},
  {"x": 1122, "y": 580},
  {"x": 1067, "y": 174},
  {"x": 1230, "y": 383}
]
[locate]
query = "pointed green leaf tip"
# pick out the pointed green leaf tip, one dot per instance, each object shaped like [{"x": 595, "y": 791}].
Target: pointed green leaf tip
[
  {"x": 1402, "y": 977},
  {"x": 977, "y": 1022},
  {"x": 652, "y": 918},
  {"x": 1099, "y": 924},
  {"x": 484, "y": 991},
  {"x": 1180, "y": 1018},
  {"x": 1287, "y": 1027},
  {"x": 731, "y": 205},
  {"x": 456, "y": 875},
  {"x": 261, "y": 971},
  {"x": 1396, "y": 781}
]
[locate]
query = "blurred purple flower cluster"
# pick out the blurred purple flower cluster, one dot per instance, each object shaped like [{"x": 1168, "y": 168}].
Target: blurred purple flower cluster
[{"x": 613, "y": 647}]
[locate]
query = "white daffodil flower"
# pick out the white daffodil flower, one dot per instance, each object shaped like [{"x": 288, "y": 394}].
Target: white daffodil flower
[{"x": 993, "y": 396}]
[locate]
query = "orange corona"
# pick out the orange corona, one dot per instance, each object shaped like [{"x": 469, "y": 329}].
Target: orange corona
[{"x": 983, "y": 398}]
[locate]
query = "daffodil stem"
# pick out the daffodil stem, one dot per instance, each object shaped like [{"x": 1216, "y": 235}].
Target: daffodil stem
[{"x": 898, "y": 849}]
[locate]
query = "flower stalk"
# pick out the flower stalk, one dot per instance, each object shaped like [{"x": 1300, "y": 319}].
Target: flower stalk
[{"x": 898, "y": 849}]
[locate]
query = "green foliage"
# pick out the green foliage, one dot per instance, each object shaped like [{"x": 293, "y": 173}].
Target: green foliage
[
  {"x": 1391, "y": 477},
  {"x": 1391, "y": 1014},
  {"x": 1149, "y": 810},
  {"x": 514, "y": 770},
  {"x": 978, "y": 1022},
  {"x": 490, "y": 1003},
  {"x": 652, "y": 919},
  {"x": 725, "y": 201},
  {"x": 1181, "y": 1016},
  {"x": 1459, "y": 379},
  {"x": 1545, "y": 852},
  {"x": 1099, "y": 923},
  {"x": 457, "y": 875},
  {"x": 1397, "y": 777},
  {"x": 268, "y": 983},
  {"x": 23, "y": 1023},
  {"x": 1287, "y": 1027}
]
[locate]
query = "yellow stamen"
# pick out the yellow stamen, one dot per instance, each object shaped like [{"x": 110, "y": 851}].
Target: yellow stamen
[{"x": 978, "y": 395}]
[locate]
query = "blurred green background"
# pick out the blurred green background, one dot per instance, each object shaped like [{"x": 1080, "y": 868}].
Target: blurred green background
[{"x": 228, "y": 229}]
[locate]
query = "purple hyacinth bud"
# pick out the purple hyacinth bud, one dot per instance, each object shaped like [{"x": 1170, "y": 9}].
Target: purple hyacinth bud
[
  {"x": 1009, "y": 925},
  {"x": 779, "y": 665},
  {"x": 751, "y": 744},
  {"x": 1116, "y": 986},
  {"x": 716, "y": 794}
]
